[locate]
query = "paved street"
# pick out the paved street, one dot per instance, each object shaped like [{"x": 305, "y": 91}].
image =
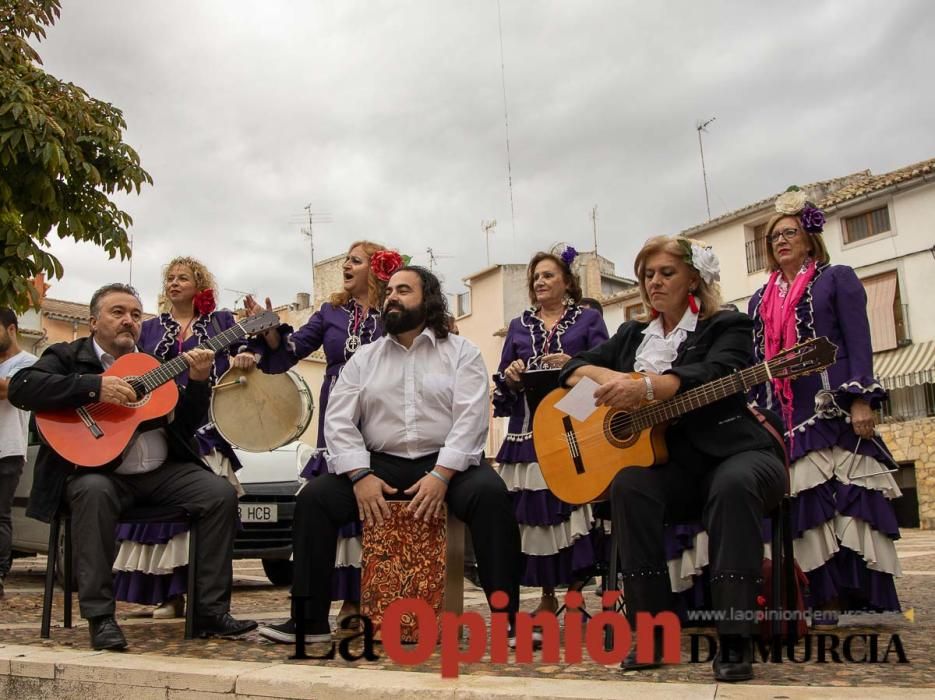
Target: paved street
[{"x": 255, "y": 597}]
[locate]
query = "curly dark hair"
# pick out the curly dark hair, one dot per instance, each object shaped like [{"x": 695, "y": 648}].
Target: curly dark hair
[
  {"x": 433, "y": 300},
  {"x": 571, "y": 279}
]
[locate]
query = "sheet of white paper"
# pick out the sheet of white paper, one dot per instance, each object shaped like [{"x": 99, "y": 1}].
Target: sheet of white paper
[{"x": 579, "y": 402}]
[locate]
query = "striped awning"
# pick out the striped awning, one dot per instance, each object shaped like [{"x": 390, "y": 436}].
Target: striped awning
[{"x": 908, "y": 366}]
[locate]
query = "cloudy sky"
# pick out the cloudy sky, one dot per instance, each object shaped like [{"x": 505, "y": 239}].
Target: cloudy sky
[{"x": 389, "y": 117}]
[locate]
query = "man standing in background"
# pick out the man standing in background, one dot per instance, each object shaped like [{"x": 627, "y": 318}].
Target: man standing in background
[{"x": 13, "y": 431}]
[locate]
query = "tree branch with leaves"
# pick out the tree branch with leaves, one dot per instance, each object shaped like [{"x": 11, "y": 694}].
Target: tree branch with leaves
[{"x": 62, "y": 157}]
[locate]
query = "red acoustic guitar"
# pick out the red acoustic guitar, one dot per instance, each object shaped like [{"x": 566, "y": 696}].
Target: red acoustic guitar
[
  {"x": 580, "y": 459},
  {"x": 98, "y": 433}
]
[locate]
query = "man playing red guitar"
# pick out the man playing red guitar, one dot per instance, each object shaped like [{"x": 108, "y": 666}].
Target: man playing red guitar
[{"x": 160, "y": 466}]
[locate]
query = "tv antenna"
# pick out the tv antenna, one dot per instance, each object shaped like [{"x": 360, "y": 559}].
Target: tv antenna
[
  {"x": 433, "y": 258},
  {"x": 314, "y": 217},
  {"x": 700, "y": 126},
  {"x": 487, "y": 227},
  {"x": 594, "y": 224},
  {"x": 240, "y": 295}
]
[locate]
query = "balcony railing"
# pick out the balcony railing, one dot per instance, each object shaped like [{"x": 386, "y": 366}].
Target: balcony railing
[
  {"x": 756, "y": 255},
  {"x": 908, "y": 403}
]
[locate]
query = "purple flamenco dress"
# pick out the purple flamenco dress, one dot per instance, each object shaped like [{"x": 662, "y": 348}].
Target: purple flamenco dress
[
  {"x": 843, "y": 520},
  {"x": 558, "y": 539},
  {"x": 150, "y": 567},
  {"x": 339, "y": 331}
]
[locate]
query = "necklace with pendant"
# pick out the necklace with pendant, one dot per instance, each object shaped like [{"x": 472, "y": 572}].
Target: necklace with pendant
[{"x": 355, "y": 328}]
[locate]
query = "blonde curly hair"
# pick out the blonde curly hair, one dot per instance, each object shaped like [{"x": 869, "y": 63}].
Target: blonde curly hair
[{"x": 203, "y": 278}]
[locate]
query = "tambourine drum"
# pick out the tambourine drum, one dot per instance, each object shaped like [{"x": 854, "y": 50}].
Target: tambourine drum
[{"x": 259, "y": 412}]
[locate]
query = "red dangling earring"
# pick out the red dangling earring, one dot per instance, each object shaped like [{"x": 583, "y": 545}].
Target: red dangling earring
[
  {"x": 693, "y": 303},
  {"x": 653, "y": 313}
]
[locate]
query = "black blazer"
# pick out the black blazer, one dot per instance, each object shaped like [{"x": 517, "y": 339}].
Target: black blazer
[
  {"x": 718, "y": 346},
  {"x": 67, "y": 376}
]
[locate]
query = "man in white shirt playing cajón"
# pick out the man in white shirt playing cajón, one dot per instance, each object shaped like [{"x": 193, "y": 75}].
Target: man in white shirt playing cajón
[{"x": 407, "y": 418}]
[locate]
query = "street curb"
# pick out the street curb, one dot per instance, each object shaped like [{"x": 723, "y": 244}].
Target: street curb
[{"x": 30, "y": 672}]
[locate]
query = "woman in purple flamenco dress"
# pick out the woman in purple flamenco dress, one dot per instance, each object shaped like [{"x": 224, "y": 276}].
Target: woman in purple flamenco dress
[
  {"x": 557, "y": 538},
  {"x": 351, "y": 318},
  {"x": 841, "y": 486},
  {"x": 151, "y": 561}
]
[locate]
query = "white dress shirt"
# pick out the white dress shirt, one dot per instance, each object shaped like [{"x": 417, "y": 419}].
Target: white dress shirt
[
  {"x": 148, "y": 450},
  {"x": 432, "y": 397},
  {"x": 658, "y": 351}
]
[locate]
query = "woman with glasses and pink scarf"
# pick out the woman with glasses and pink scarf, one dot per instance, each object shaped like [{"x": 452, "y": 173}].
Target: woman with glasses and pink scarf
[{"x": 843, "y": 520}]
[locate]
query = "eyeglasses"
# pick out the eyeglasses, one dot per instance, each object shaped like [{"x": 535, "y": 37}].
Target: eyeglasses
[{"x": 787, "y": 233}]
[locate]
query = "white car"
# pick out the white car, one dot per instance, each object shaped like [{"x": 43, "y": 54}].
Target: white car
[{"x": 270, "y": 480}]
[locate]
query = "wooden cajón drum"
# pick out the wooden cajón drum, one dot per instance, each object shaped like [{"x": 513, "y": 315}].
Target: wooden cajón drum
[{"x": 409, "y": 558}]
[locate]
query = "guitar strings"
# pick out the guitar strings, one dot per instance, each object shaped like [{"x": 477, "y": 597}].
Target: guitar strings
[
  {"x": 649, "y": 416},
  {"x": 159, "y": 375}
]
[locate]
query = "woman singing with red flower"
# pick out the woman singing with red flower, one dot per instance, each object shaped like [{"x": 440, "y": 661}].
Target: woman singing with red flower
[
  {"x": 151, "y": 561},
  {"x": 349, "y": 320}
]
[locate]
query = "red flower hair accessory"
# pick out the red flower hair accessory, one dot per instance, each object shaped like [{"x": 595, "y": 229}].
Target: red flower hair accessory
[
  {"x": 384, "y": 263},
  {"x": 204, "y": 302}
]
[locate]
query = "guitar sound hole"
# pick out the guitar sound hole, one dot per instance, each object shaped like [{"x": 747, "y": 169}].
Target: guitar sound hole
[
  {"x": 619, "y": 426},
  {"x": 140, "y": 390}
]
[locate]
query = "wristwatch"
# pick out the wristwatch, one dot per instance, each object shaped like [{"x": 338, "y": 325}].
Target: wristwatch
[{"x": 650, "y": 394}]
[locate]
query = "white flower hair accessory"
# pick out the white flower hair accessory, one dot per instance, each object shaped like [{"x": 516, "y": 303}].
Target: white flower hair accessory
[
  {"x": 703, "y": 259},
  {"x": 791, "y": 202}
]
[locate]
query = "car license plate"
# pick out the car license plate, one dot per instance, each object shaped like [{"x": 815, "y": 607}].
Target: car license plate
[{"x": 258, "y": 512}]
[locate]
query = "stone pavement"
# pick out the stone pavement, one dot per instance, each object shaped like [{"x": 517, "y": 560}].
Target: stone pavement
[{"x": 161, "y": 664}]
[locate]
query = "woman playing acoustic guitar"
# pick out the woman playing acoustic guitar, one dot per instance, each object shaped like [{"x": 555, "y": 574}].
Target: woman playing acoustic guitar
[{"x": 723, "y": 466}]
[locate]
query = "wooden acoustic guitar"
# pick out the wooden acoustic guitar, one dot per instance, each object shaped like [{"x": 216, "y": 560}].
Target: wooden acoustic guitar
[
  {"x": 580, "y": 459},
  {"x": 97, "y": 433}
]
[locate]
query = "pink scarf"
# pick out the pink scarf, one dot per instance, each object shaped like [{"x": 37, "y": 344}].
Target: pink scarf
[{"x": 778, "y": 316}]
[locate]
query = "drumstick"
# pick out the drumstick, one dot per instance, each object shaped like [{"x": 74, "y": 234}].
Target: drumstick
[{"x": 239, "y": 380}]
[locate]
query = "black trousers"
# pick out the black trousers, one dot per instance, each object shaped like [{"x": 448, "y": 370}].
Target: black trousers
[
  {"x": 11, "y": 469},
  {"x": 477, "y": 496},
  {"x": 97, "y": 499},
  {"x": 731, "y": 498}
]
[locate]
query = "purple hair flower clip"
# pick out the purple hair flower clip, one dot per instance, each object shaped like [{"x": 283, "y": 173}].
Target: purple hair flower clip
[
  {"x": 813, "y": 219},
  {"x": 568, "y": 255}
]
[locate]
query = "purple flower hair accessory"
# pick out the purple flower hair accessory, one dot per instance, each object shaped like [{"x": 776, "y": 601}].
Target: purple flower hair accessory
[
  {"x": 568, "y": 255},
  {"x": 813, "y": 219}
]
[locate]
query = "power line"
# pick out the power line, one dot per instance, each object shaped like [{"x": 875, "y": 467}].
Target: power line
[{"x": 506, "y": 121}]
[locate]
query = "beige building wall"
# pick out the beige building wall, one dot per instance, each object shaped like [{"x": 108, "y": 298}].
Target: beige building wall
[{"x": 329, "y": 278}]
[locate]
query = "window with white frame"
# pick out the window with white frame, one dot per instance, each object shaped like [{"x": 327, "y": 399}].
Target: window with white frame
[{"x": 866, "y": 224}]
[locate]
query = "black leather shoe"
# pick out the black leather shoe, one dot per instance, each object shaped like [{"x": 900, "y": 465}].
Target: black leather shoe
[
  {"x": 631, "y": 664},
  {"x": 734, "y": 660},
  {"x": 223, "y": 625},
  {"x": 106, "y": 634}
]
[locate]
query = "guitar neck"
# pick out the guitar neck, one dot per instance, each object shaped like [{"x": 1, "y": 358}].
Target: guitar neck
[
  {"x": 738, "y": 382},
  {"x": 177, "y": 365}
]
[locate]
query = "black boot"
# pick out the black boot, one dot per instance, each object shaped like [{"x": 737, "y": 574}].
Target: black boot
[
  {"x": 734, "y": 660},
  {"x": 631, "y": 664},
  {"x": 650, "y": 592}
]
